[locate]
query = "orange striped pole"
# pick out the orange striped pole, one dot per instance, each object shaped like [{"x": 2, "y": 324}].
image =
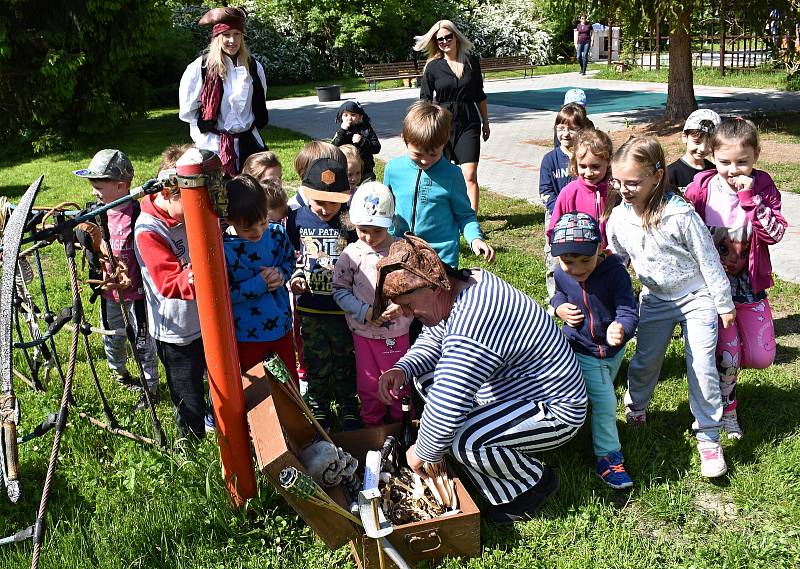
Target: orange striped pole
[{"x": 199, "y": 175}]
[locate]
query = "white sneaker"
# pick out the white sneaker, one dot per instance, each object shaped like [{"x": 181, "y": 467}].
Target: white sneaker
[
  {"x": 712, "y": 461},
  {"x": 730, "y": 424}
]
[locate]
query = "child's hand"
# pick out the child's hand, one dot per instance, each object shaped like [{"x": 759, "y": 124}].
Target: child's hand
[
  {"x": 356, "y": 138},
  {"x": 298, "y": 285},
  {"x": 272, "y": 277},
  {"x": 615, "y": 334},
  {"x": 728, "y": 318},
  {"x": 482, "y": 248},
  {"x": 190, "y": 275},
  {"x": 570, "y": 314},
  {"x": 741, "y": 182}
]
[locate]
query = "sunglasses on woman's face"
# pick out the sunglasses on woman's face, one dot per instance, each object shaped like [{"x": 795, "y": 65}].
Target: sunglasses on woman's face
[{"x": 445, "y": 38}]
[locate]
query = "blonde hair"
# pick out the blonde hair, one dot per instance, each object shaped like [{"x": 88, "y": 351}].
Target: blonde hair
[
  {"x": 427, "y": 43},
  {"x": 315, "y": 150},
  {"x": 645, "y": 152},
  {"x": 351, "y": 153},
  {"x": 590, "y": 140},
  {"x": 214, "y": 57},
  {"x": 426, "y": 126},
  {"x": 170, "y": 155},
  {"x": 257, "y": 164}
]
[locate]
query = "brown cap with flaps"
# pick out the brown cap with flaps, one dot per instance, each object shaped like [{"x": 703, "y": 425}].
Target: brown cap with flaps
[
  {"x": 224, "y": 19},
  {"x": 410, "y": 264}
]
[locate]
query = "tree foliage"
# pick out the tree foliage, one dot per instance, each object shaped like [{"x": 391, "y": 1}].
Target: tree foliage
[{"x": 69, "y": 66}]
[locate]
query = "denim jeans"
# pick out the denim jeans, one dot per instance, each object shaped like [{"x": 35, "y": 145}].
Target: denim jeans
[
  {"x": 583, "y": 56},
  {"x": 698, "y": 317}
]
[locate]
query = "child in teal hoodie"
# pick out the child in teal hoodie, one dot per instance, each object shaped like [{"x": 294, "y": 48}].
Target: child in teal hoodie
[{"x": 430, "y": 192}]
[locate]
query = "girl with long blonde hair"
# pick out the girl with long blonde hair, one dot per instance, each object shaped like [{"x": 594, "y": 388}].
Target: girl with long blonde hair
[
  {"x": 215, "y": 85},
  {"x": 683, "y": 283},
  {"x": 452, "y": 78}
]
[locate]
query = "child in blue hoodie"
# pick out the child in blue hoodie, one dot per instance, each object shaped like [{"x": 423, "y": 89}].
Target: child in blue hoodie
[{"x": 594, "y": 298}]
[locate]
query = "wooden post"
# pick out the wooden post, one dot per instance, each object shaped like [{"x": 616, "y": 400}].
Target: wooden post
[
  {"x": 658, "y": 41},
  {"x": 722, "y": 25}
]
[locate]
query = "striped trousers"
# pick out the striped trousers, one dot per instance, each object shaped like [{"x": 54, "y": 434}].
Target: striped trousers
[{"x": 497, "y": 441}]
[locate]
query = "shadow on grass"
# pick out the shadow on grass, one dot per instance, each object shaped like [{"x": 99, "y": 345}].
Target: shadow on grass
[
  {"x": 787, "y": 325},
  {"x": 514, "y": 221},
  {"x": 13, "y": 191}
]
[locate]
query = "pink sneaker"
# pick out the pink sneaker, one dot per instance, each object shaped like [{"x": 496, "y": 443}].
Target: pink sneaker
[
  {"x": 712, "y": 461},
  {"x": 636, "y": 418}
]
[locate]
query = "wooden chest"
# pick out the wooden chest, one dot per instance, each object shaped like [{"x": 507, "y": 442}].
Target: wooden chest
[{"x": 279, "y": 432}]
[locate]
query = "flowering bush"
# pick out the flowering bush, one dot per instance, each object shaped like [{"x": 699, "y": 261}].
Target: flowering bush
[{"x": 508, "y": 27}]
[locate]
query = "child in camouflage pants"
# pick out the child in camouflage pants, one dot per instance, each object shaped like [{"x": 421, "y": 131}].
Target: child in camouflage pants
[{"x": 320, "y": 230}]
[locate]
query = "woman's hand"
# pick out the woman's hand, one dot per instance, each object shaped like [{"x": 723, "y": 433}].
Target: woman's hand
[
  {"x": 414, "y": 462},
  {"x": 389, "y": 384},
  {"x": 356, "y": 138},
  {"x": 486, "y": 131},
  {"x": 728, "y": 318},
  {"x": 483, "y": 249}
]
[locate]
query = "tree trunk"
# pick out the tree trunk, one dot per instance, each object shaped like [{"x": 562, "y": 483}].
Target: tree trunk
[{"x": 680, "y": 86}]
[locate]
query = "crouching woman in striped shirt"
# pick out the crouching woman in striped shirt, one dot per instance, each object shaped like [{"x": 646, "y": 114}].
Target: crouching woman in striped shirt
[{"x": 499, "y": 380}]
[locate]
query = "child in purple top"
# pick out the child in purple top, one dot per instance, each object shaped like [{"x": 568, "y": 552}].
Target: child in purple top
[{"x": 742, "y": 208}]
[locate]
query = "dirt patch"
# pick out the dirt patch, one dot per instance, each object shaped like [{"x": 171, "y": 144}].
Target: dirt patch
[
  {"x": 669, "y": 134},
  {"x": 716, "y": 506}
]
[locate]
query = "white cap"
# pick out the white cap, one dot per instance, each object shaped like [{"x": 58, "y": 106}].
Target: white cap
[
  {"x": 372, "y": 204},
  {"x": 705, "y": 120},
  {"x": 575, "y": 96}
]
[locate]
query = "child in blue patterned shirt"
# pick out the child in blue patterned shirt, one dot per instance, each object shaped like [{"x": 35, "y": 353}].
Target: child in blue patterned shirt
[{"x": 260, "y": 260}]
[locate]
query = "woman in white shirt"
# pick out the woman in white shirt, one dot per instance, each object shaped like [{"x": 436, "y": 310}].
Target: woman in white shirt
[{"x": 219, "y": 98}]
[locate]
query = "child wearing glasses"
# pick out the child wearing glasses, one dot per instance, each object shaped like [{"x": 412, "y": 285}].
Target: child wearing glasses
[
  {"x": 683, "y": 283},
  {"x": 589, "y": 165},
  {"x": 742, "y": 208}
]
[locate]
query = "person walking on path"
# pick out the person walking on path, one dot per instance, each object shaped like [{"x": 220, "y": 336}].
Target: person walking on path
[
  {"x": 583, "y": 42},
  {"x": 452, "y": 78}
]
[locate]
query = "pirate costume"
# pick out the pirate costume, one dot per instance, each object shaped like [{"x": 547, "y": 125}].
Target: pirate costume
[{"x": 225, "y": 114}]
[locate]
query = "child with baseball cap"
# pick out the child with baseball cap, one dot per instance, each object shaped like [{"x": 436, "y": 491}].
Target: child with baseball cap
[
  {"x": 110, "y": 173},
  {"x": 379, "y": 339},
  {"x": 697, "y": 130},
  {"x": 320, "y": 229},
  {"x": 594, "y": 298}
]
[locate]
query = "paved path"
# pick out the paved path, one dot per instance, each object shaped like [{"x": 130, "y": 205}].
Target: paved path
[{"x": 510, "y": 163}]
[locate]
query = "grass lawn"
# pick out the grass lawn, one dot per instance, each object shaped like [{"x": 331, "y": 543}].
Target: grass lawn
[
  {"x": 756, "y": 79},
  {"x": 118, "y": 504},
  {"x": 353, "y": 84}
]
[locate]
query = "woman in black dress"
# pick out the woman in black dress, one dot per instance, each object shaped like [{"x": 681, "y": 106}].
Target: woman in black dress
[{"x": 452, "y": 79}]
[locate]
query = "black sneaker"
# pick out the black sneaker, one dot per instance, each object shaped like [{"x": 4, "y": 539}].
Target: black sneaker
[
  {"x": 141, "y": 404},
  {"x": 351, "y": 423},
  {"x": 125, "y": 379},
  {"x": 526, "y": 504}
]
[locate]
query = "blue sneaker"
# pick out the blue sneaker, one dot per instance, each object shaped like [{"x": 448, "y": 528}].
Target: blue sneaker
[
  {"x": 209, "y": 423},
  {"x": 611, "y": 471}
]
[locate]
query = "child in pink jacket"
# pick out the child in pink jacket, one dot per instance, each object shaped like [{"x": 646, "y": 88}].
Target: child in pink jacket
[
  {"x": 590, "y": 163},
  {"x": 742, "y": 208},
  {"x": 379, "y": 339}
]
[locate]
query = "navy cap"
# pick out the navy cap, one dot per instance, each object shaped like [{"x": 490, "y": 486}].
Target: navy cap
[{"x": 576, "y": 233}]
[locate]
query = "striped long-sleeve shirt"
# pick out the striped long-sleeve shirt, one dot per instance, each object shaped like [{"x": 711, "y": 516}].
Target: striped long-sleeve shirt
[{"x": 496, "y": 345}]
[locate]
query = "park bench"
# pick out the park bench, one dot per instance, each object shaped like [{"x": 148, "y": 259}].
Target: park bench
[
  {"x": 511, "y": 63},
  {"x": 406, "y": 70},
  {"x": 409, "y": 71}
]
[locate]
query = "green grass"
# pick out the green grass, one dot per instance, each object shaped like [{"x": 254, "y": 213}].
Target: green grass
[
  {"x": 351, "y": 84},
  {"x": 117, "y": 504},
  {"x": 756, "y": 79}
]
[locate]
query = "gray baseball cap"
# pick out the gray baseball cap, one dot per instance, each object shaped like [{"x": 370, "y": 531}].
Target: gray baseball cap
[{"x": 108, "y": 164}]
